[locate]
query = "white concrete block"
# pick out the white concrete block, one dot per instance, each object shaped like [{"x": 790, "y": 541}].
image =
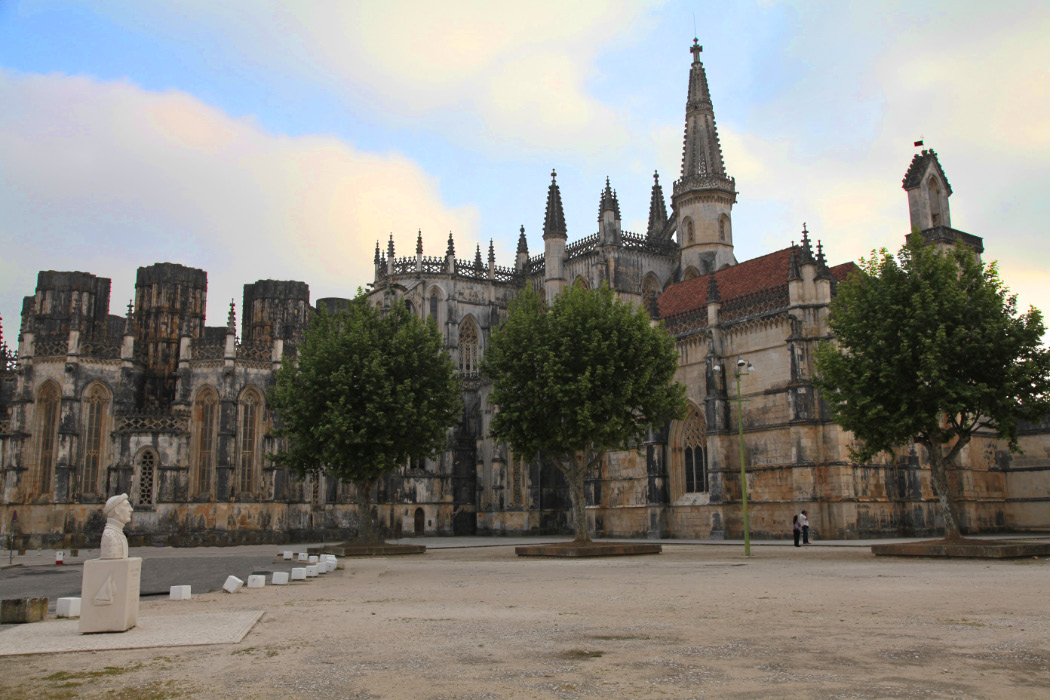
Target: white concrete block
[
  {"x": 322, "y": 567},
  {"x": 60, "y": 557},
  {"x": 179, "y": 593},
  {"x": 279, "y": 578},
  {"x": 233, "y": 584},
  {"x": 311, "y": 571},
  {"x": 288, "y": 556},
  {"x": 303, "y": 556},
  {"x": 312, "y": 559},
  {"x": 299, "y": 573},
  {"x": 68, "y": 607},
  {"x": 256, "y": 581}
]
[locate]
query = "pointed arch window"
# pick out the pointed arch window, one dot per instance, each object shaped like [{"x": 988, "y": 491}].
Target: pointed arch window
[
  {"x": 249, "y": 415},
  {"x": 47, "y": 405},
  {"x": 96, "y": 405},
  {"x": 935, "y": 201},
  {"x": 434, "y": 305},
  {"x": 469, "y": 347},
  {"x": 650, "y": 291},
  {"x": 205, "y": 420},
  {"x": 581, "y": 283},
  {"x": 690, "y": 235},
  {"x": 694, "y": 452}
]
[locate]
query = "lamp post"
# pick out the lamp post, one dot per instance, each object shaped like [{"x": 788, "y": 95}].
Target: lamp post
[{"x": 743, "y": 368}]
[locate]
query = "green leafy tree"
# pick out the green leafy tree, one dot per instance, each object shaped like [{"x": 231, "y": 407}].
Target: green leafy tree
[
  {"x": 572, "y": 381},
  {"x": 368, "y": 392},
  {"x": 929, "y": 347}
]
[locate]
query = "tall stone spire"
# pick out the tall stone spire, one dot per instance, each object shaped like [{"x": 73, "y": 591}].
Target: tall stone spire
[
  {"x": 554, "y": 219},
  {"x": 704, "y": 196},
  {"x": 702, "y": 152},
  {"x": 657, "y": 208}
]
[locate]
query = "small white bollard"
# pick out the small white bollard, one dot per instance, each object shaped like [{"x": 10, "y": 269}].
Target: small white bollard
[
  {"x": 233, "y": 584},
  {"x": 60, "y": 558},
  {"x": 288, "y": 556},
  {"x": 299, "y": 573},
  {"x": 179, "y": 593},
  {"x": 311, "y": 571},
  {"x": 303, "y": 556},
  {"x": 68, "y": 607},
  {"x": 256, "y": 581},
  {"x": 312, "y": 559},
  {"x": 279, "y": 578}
]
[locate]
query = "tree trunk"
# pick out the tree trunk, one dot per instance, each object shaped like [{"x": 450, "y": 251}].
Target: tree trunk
[
  {"x": 574, "y": 474},
  {"x": 365, "y": 528},
  {"x": 939, "y": 475}
]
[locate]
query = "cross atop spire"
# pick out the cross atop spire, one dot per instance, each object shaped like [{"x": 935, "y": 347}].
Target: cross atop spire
[{"x": 696, "y": 49}]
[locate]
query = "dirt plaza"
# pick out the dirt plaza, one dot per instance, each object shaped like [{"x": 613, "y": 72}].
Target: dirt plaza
[{"x": 697, "y": 621}]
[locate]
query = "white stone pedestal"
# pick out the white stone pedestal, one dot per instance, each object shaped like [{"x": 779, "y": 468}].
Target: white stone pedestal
[{"x": 109, "y": 595}]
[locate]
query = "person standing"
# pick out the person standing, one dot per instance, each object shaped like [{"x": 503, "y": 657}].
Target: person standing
[
  {"x": 803, "y": 521},
  {"x": 797, "y": 528}
]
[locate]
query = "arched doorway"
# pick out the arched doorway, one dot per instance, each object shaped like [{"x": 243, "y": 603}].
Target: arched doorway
[{"x": 419, "y": 522}]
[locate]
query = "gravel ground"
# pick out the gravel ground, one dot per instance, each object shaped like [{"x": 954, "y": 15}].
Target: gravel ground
[{"x": 693, "y": 622}]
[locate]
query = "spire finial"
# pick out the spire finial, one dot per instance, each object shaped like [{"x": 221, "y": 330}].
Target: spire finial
[
  {"x": 477, "y": 257},
  {"x": 657, "y": 209},
  {"x": 128, "y": 322},
  {"x": 696, "y": 49},
  {"x": 419, "y": 242},
  {"x": 492, "y": 253},
  {"x": 712, "y": 288},
  {"x": 554, "y": 174},
  {"x": 522, "y": 245},
  {"x": 451, "y": 250},
  {"x": 554, "y": 218},
  {"x": 379, "y": 256},
  {"x": 231, "y": 319},
  {"x": 390, "y": 247}
]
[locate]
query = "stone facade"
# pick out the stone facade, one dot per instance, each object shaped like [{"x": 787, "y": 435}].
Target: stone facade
[{"x": 173, "y": 411}]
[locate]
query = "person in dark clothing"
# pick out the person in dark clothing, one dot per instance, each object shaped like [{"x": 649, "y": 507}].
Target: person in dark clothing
[{"x": 798, "y": 530}]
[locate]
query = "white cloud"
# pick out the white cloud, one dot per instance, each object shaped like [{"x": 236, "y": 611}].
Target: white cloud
[
  {"x": 106, "y": 177},
  {"x": 505, "y": 74}
]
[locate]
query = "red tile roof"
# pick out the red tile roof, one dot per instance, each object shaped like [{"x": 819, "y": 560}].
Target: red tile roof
[{"x": 751, "y": 276}]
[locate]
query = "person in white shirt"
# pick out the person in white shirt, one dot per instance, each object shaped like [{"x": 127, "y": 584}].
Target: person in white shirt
[{"x": 804, "y": 522}]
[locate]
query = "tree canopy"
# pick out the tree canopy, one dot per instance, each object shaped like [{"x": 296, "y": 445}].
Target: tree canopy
[
  {"x": 368, "y": 391},
  {"x": 929, "y": 346},
  {"x": 572, "y": 381}
]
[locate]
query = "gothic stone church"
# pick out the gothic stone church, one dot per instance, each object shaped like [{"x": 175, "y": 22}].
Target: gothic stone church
[{"x": 174, "y": 412}]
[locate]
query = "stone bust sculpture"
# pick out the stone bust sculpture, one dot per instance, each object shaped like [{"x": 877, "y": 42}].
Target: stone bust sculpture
[{"x": 118, "y": 512}]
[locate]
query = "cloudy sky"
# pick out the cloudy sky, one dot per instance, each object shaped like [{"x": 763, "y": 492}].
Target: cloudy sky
[{"x": 280, "y": 140}]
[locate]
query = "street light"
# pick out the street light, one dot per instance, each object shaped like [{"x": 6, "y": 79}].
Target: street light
[{"x": 743, "y": 368}]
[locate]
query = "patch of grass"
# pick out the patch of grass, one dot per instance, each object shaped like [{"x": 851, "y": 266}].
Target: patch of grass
[
  {"x": 84, "y": 675},
  {"x": 157, "y": 690}
]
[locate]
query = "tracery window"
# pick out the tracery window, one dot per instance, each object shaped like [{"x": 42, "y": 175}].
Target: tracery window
[
  {"x": 468, "y": 347},
  {"x": 694, "y": 440},
  {"x": 95, "y": 403},
  {"x": 147, "y": 468},
  {"x": 723, "y": 224},
  {"x": 206, "y": 412},
  {"x": 47, "y": 404},
  {"x": 690, "y": 236},
  {"x": 249, "y": 428},
  {"x": 581, "y": 283},
  {"x": 434, "y": 304}
]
